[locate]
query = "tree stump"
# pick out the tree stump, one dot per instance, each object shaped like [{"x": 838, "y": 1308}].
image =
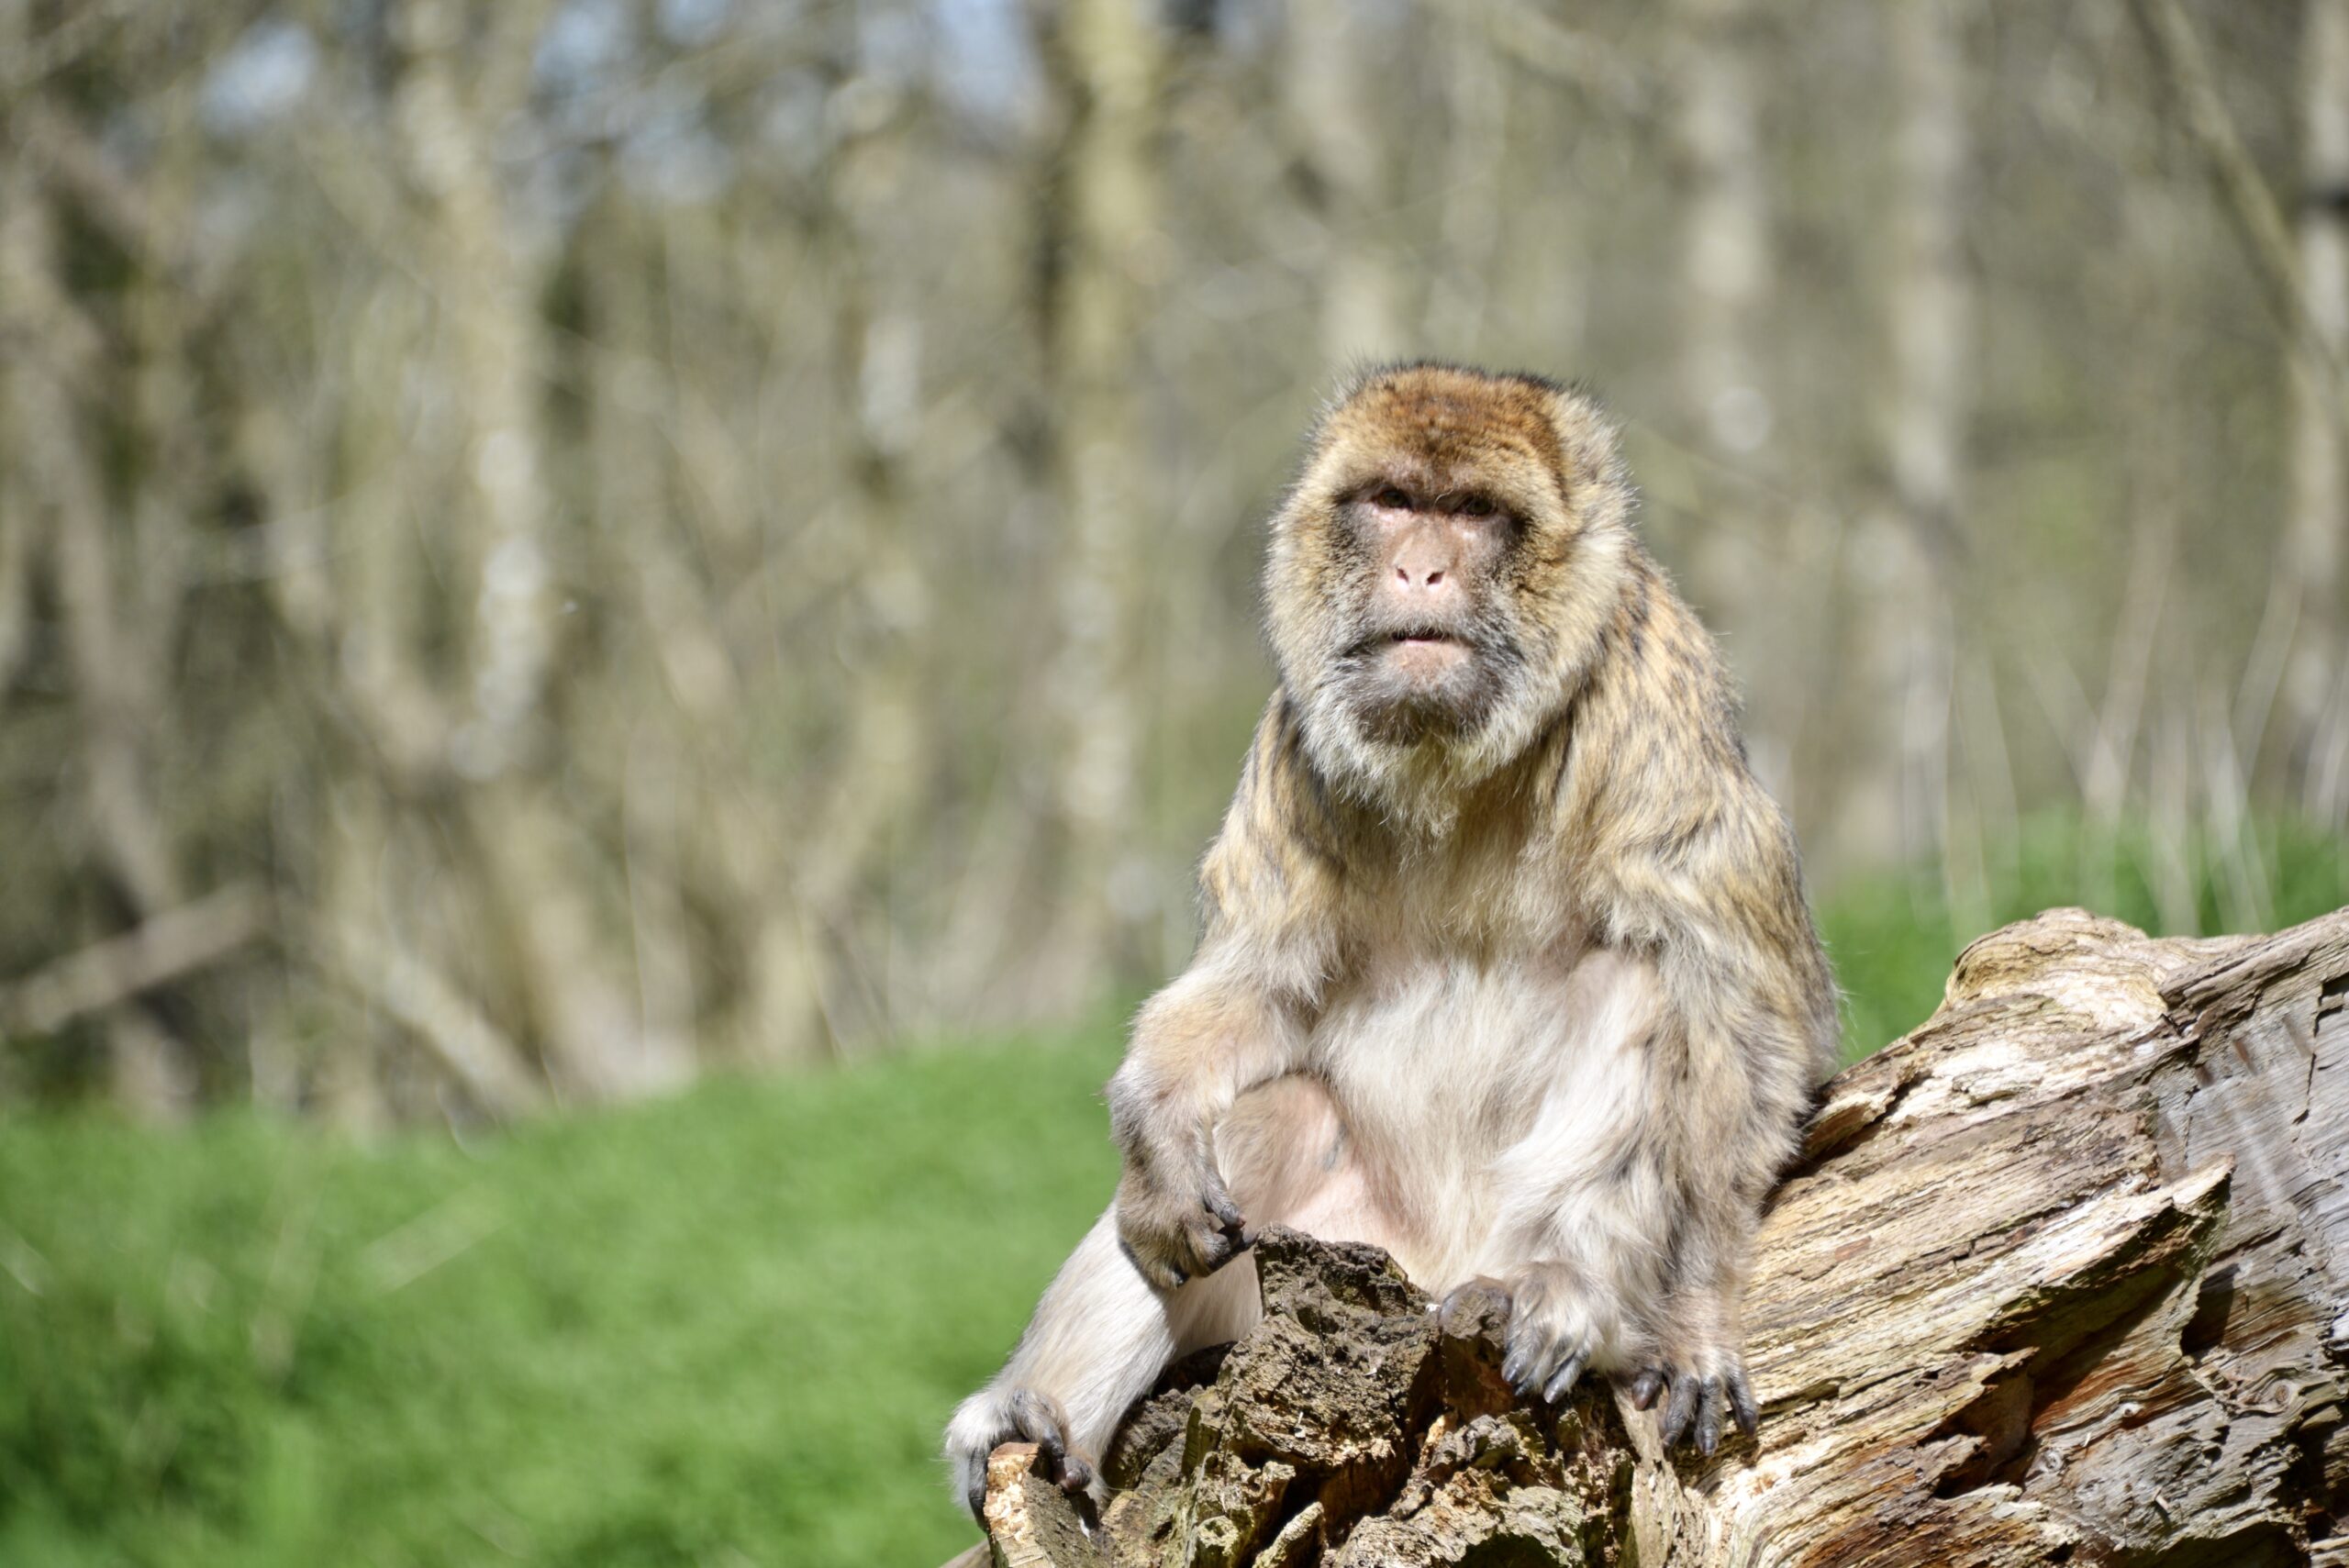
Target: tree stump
[{"x": 2058, "y": 1278}]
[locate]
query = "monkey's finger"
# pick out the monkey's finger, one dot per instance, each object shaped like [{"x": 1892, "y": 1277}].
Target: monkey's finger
[
  {"x": 1645, "y": 1387},
  {"x": 1561, "y": 1381},
  {"x": 1709, "y": 1411},
  {"x": 1742, "y": 1405},
  {"x": 1683, "y": 1406},
  {"x": 1529, "y": 1347},
  {"x": 1218, "y": 1201},
  {"x": 1075, "y": 1473},
  {"x": 1213, "y": 1249}
]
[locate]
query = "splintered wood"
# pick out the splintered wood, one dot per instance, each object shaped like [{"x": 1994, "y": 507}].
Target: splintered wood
[{"x": 2063, "y": 1277}]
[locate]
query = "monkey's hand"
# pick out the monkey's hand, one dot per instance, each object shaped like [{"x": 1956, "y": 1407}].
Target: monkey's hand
[
  {"x": 1180, "y": 1229},
  {"x": 992, "y": 1417},
  {"x": 1556, "y": 1328},
  {"x": 1705, "y": 1383}
]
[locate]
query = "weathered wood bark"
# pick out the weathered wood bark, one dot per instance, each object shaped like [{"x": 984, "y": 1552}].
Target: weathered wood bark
[{"x": 2058, "y": 1278}]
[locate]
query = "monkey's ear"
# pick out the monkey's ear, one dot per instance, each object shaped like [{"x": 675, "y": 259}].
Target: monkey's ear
[
  {"x": 1588, "y": 433},
  {"x": 1599, "y": 488}
]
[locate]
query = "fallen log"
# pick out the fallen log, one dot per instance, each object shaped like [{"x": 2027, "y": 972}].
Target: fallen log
[{"x": 2061, "y": 1277}]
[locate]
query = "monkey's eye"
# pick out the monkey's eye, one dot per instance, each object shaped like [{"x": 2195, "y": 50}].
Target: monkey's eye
[
  {"x": 1391, "y": 495},
  {"x": 1476, "y": 506}
]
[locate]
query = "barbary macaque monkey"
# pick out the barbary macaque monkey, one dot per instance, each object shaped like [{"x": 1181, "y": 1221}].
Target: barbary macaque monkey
[{"x": 1505, "y": 964}]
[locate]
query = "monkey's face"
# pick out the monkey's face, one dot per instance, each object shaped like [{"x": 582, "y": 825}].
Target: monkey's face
[
  {"x": 1434, "y": 645},
  {"x": 1442, "y": 570}
]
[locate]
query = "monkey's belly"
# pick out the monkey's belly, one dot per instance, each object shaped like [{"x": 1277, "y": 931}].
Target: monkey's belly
[{"x": 1446, "y": 1099}]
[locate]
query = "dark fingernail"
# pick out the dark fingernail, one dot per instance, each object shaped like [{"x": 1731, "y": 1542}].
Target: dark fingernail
[{"x": 1567, "y": 1376}]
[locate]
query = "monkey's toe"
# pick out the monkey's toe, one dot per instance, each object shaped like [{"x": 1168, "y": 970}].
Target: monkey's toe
[
  {"x": 1645, "y": 1386},
  {"x": 1062, "y": 1465},
  {"x": 1543, "y": 1365},
  {"x": 1742, "y": 1405},
  {"x": 1027, "y": 1415},
  {"x": 1710, "y": 1409},
  {"x": 1700, "y": 1407}
]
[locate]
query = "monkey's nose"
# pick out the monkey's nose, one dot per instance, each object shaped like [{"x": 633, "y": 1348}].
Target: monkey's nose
[{"x": 1427, "y": 578}]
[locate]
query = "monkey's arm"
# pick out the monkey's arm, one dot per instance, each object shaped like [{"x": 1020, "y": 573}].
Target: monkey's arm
[
  {"x": 1629, "y": 1206},
  {"x": 1236, "y": 1018},
  {"x": 1202, "y": 1043},
  {"x": 1746, "y": 1029}
]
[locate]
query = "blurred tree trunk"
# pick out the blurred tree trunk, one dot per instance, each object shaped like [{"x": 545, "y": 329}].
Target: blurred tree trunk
[
  {"x": 1725, "y": 252},
  {"x": 1341, "y": 156},
  {"x": 883, "y": 771},
  {"x": 1911, "y": 554},
  {"x": 462, "y": 73},
  {"x": 1102, "y": 246},
  {"x": 1476, "y": 182},
  {"x": 117, "y": 587},
  {"x": 1738, "y": 542},
  {"x": 2316, "y": 535}
]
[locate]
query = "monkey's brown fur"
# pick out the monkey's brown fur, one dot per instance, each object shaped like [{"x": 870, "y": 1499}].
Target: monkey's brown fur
[{"x": 1506, "y": 964}]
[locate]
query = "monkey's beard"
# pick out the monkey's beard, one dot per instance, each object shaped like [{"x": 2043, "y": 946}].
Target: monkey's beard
[
  {"x": 1420, "y": 687},
  {"x": 1408, "y": 732}
]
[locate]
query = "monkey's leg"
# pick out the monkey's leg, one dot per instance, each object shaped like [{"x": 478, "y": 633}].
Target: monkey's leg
[
  {"x": 1100, "y": 1338},
  {"x": 1697, "y": 1356}
]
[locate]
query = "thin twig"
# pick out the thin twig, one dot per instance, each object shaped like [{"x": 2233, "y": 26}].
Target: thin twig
[{"x": 173, "y": 943}]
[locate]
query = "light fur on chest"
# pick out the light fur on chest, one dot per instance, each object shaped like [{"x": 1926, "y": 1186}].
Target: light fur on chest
[{"x": 1458, "y": 1083}]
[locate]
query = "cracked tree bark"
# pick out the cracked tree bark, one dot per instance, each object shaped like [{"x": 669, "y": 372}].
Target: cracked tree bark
[{"x": 2057, "y": 1278}]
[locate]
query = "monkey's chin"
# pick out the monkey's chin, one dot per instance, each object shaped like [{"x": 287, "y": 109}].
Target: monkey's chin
[{"x": 1405, "y": 703}]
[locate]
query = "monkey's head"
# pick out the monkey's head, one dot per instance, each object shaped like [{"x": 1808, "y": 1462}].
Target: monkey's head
[{"x": 1442, "y": 575}]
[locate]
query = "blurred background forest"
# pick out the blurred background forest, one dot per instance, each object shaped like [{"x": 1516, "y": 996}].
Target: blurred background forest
[
  {"x": 547, "y": 547},
  {"x": 550, "y": 548}
]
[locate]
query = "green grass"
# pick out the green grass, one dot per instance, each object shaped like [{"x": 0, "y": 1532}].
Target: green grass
[{"x": 723, "y": 1329}]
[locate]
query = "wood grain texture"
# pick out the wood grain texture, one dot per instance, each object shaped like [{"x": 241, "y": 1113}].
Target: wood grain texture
[{"x": 2058, "y": 1278}]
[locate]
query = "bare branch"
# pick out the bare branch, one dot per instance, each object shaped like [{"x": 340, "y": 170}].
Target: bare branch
[{"x": 152, "y": 953}]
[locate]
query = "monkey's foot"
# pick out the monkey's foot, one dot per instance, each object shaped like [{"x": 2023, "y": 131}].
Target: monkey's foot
[
  {"x": 1554, "y": 1331},
  {"x": 1698, "y": 1398},
  {"x": 994, "y": 1416}
]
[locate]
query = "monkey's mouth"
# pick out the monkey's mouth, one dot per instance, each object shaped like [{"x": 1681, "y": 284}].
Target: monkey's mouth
[
  {"x": 1408, "y": 637},
  {"x": 1416, "y": 675}
]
